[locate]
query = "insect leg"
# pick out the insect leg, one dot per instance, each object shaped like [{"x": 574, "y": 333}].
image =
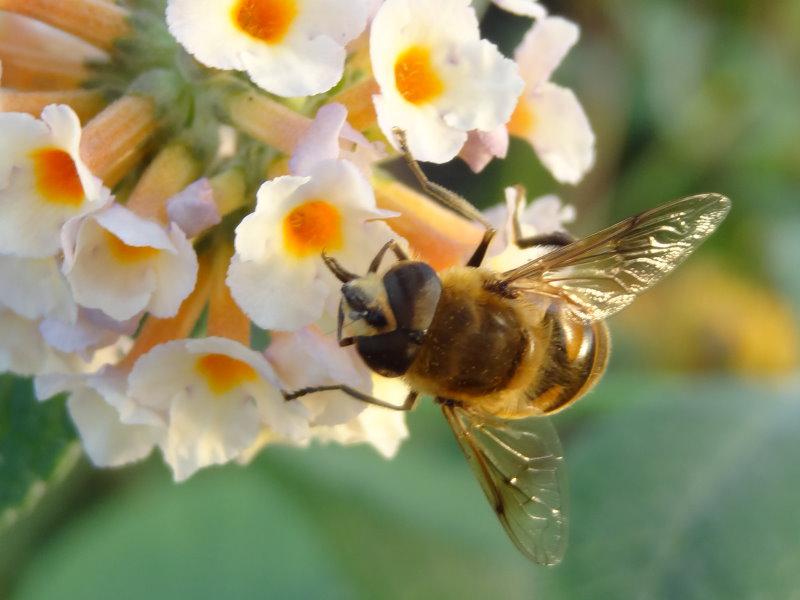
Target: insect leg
[
  {"x": 439, "y": 193},
  {"x": 480, "y": 252},
  {"x": 391, "y": 244},
  {"x": 556, "y": 238},
  {"x": 408, "y": 404}
]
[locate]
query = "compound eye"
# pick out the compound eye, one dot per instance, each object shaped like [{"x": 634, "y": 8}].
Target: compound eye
[{"x": 376, "y": 318}]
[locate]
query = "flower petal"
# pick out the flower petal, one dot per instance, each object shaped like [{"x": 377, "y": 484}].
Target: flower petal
[
  {"x": 193, "y": 209},
  {"x": 562, "y": 137},
  {"x": 543, "y": 48}
]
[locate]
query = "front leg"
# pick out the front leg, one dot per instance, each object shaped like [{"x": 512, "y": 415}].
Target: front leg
[
  {"x": 407, "y": 405},
  {"x": 441, "y": 194}
]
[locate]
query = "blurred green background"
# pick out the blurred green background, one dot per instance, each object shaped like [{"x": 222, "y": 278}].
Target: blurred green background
[{"x": 684, "y": 463}]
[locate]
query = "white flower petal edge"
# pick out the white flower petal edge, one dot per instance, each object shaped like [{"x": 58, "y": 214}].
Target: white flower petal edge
[
  {"x": 277, "y": 275},
  {"x": 123, "y": 264},
  {"x": 483, "y": 146},
  {"x": 43, "y": 181},
  {"x": 543, "y": 48},
  {"x": 525, "y": 8},
  {"x": 323, "y": 141},
  {"x": 215, "y": 395},
  {"x": 91, "y": 330},
  {"x": 382, "y": 428},
  {"x": 193, "y": 209},
  {"x": 547, "y": 115},
  {"x": 308, "y": 358},
  {"x": 437, "y": 82},
  {"x": 563, "y": 137},
  {"x": 292, "y": 49},
  {"x": 94, "y": 404},
  {"x": 545, "y": 214},
  {"x": 22, "y": 349},
  {"x": 39, "y": 288}
]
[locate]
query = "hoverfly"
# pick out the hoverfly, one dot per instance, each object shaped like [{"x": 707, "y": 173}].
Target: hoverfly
[{"x": 499, "y": 351}]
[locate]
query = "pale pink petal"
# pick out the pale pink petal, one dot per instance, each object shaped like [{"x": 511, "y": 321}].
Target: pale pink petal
[
  {"x": 483, "y": 146},
  {"x": 193, "y": 209}
]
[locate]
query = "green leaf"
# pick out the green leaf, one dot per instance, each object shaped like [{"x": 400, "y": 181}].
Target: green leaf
[
  {"x": 36, "y": 446},
  {"x": 690, "y": 492},
  {"x": 679, "y": 488}
]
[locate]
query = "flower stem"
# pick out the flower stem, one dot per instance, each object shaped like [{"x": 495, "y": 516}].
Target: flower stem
[
  {"x": 172, "y": 169},
  {"x": 114, "y": 140},
  {"x": 96, "y": 21},
  {"x": 86, "y": 103},
  {"x": 266, "y": 120},
  {"x": 358, "y": 101},
  {"x": 225, "y": 318},
  {"x": 229, "y": 190},
  {"x": 158, "y": 331},
  {"x": 37, "y": 57}
]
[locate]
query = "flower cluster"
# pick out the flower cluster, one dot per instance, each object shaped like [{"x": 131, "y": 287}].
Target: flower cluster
[{"x": 161, "y": 263}]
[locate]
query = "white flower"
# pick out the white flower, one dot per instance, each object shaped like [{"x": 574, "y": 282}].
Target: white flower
[
  {"x": 43, "y": 181},
  {"x": 483, "y": 146},
  {"x": 307, "y": 358},
  {"x": 193, "y": 209},
  {"x": 92, "y": 329},
  {"x": 382, "y": 428},
  {"x": 548, "y": 115},
  {"x": 113, "y": 430},
  {"x": 277, "y": 275},
  {"x": 122, "y": 264},
  {"x": 22, "y": 349},
  {"x": 35, "y": 287},
  {"x": 525, "y": 8},
  {"x": 287, "y": 47},
  {"x": 544, "y": 215},
  {"x": 438, "y": 79},
  {"x": 215, "y": 395},
  {"x": 324, "y": 139}
]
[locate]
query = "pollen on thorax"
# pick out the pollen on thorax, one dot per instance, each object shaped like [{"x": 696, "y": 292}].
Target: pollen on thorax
[
  {"x": 266, "y": 20},
  {"x": 223, "y": 373},
  {"x": 312, "y": 227},
  {"x": 128, "y": 254},
  {"x": 56, "y": 177},
  {"x": 416, "y": 77},
  {"x": 523, "y": 119}
]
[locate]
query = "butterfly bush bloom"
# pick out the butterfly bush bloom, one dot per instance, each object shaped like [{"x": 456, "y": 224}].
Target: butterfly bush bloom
[
  {"x": 113, "y": 430},
  {"x": 43, "y": 181},
  {"x": 328, "y": 207},
  {"x": 213, "y": 395},
  {"x": 438, "y": 82},
  {"x": 157, "y": 209},
  {"x": 288, "y": 47},
  {"x": 547, "y": 115},
  {"x": 122, "y": 264}
]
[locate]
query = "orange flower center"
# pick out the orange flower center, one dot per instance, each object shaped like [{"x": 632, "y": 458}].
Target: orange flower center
[
  {"x": 312, "y": 227},
  {"x": 128, "y": 254},
  {"x": 523, "y": 119},
  {"x": 266, "y": 20},
  {"x": 223, "y": 373},
  {"x": 415, "y": 77},
  {"x": 56, "y": 177}
]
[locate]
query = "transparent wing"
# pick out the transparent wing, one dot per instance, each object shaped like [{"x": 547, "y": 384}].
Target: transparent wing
[
  {"x": 603, "y": 273},
  {"x": 518, "y": 464}
]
